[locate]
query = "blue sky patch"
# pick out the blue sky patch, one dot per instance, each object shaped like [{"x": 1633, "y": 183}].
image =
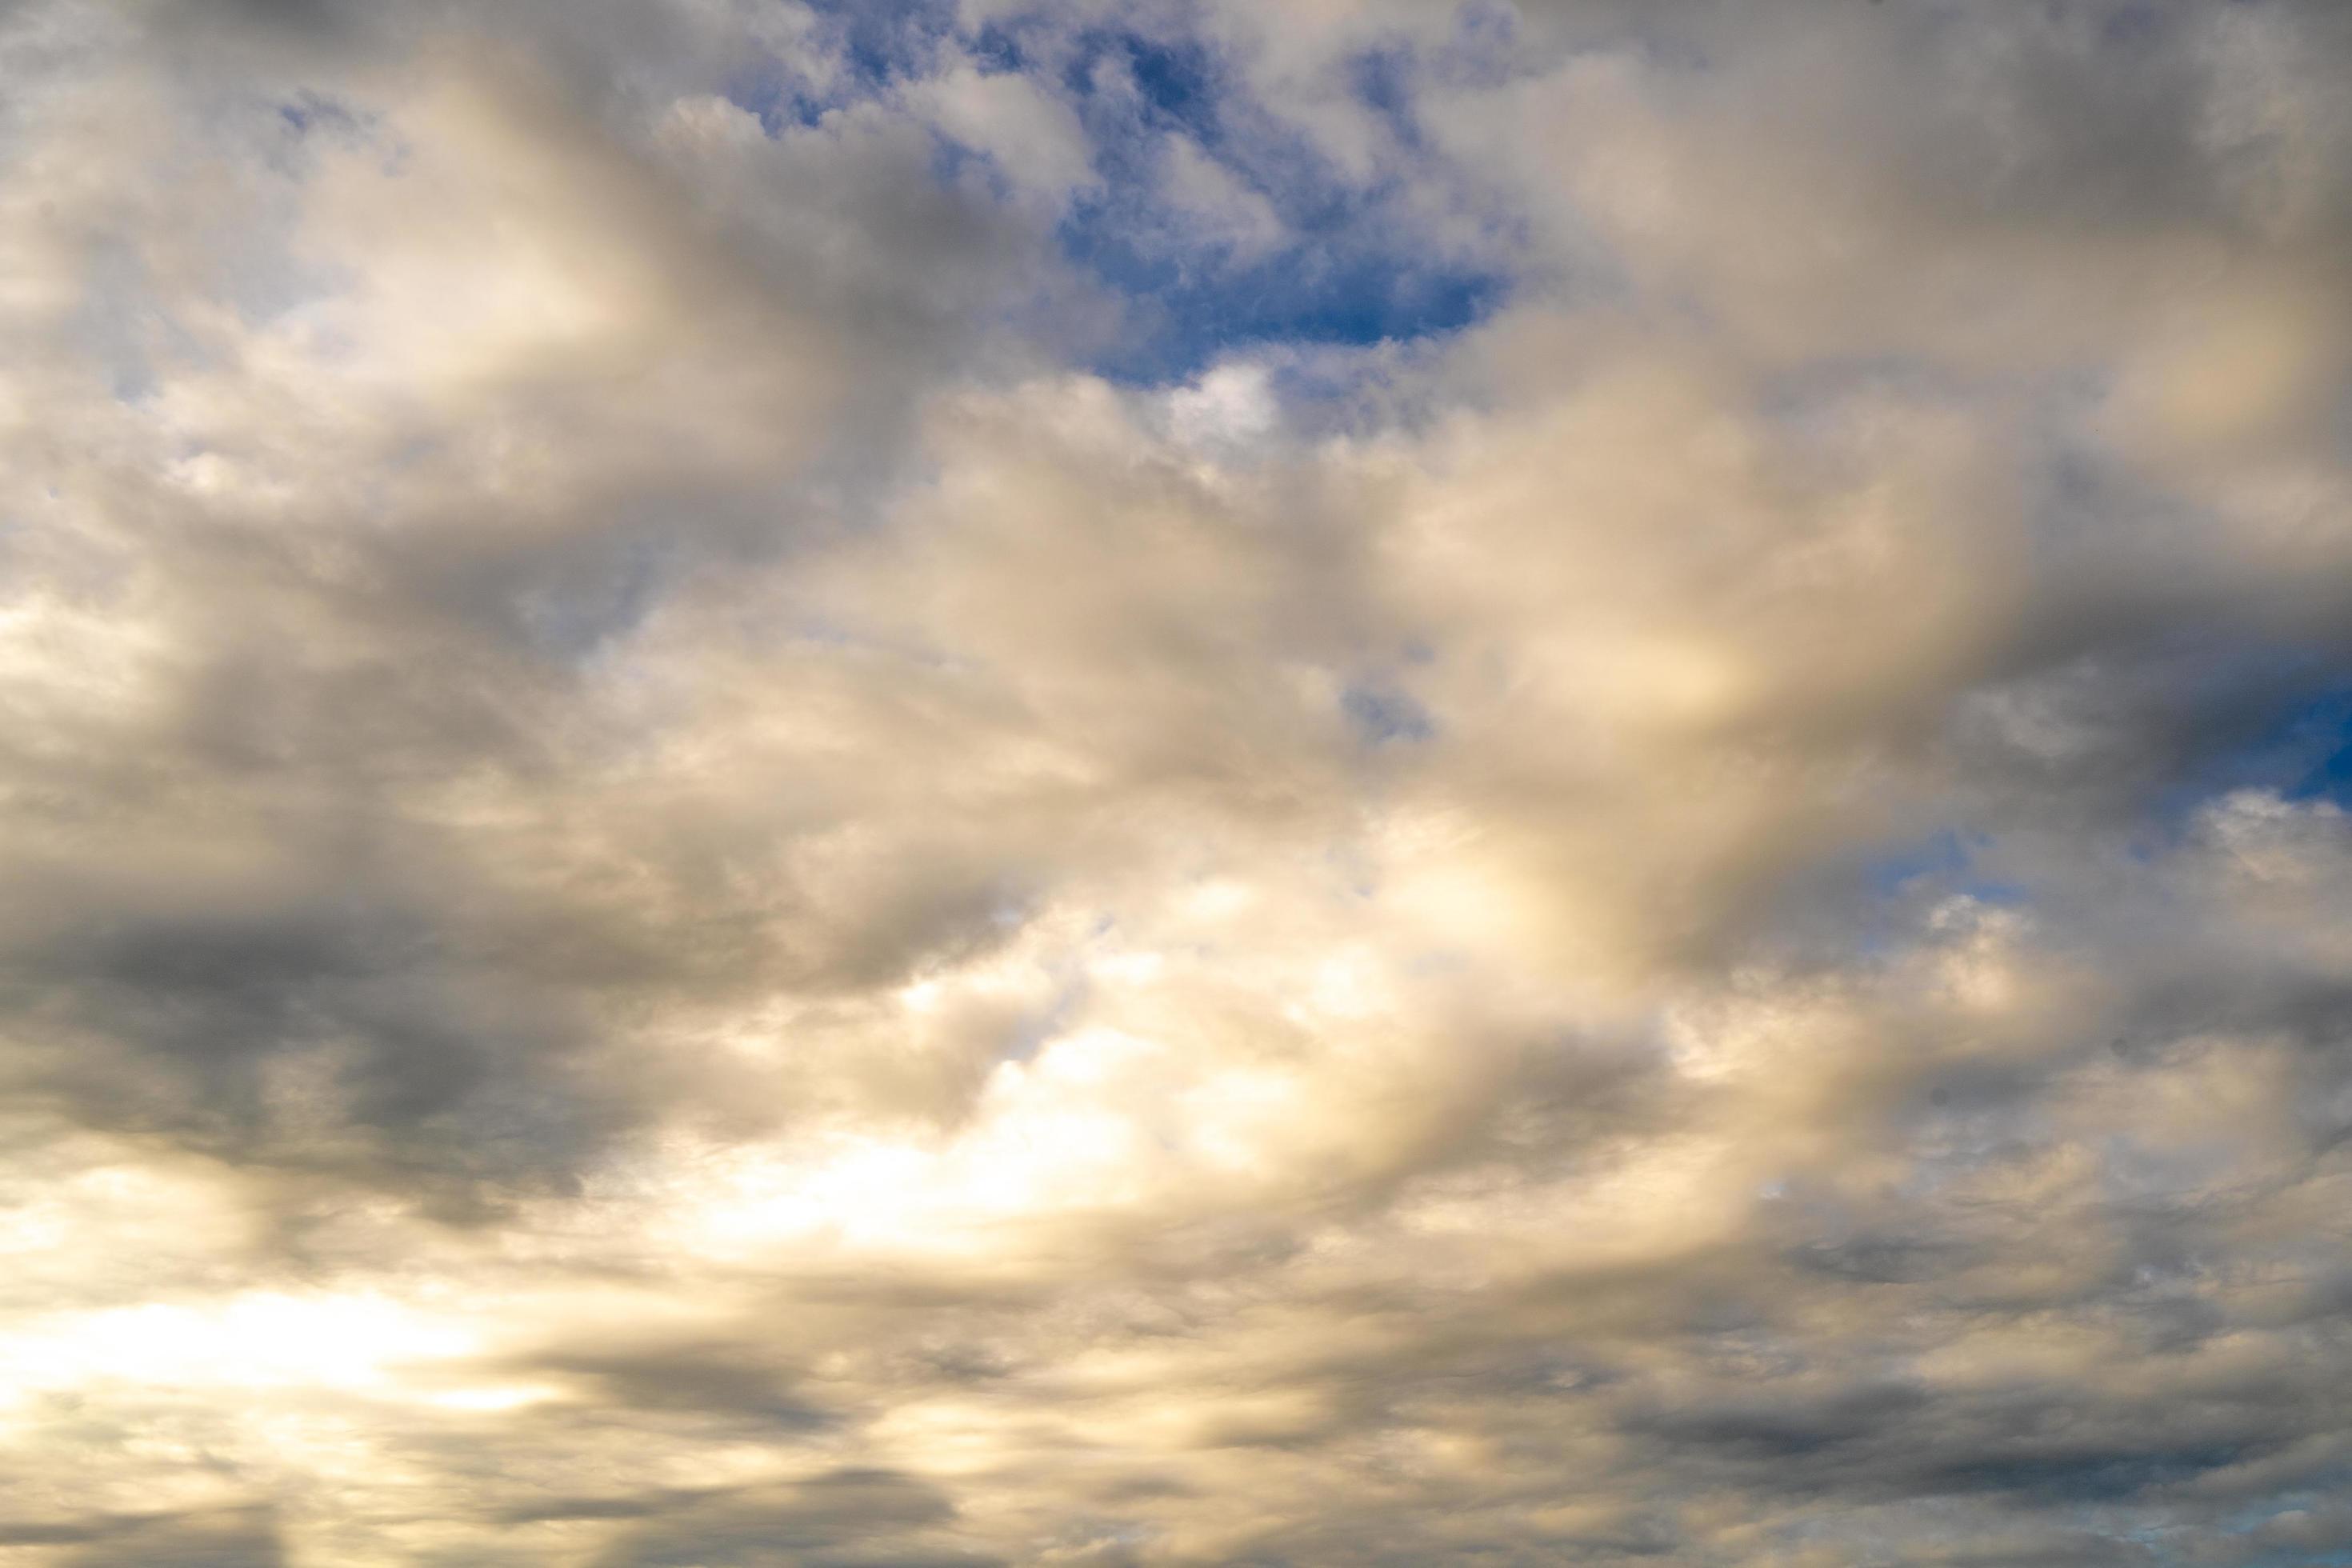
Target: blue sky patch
[
  {"x": 884, "y": 41},
  {"x": 1195, "y": 307},
  {"x": 2315, "y": 738},
  {"x": 2297, "y": 743},
  {"x": 1346, "y": 267},
  {"x": 1941, "y": 862},
  {"x": 1308, "y": 258},
  {"x": 1382, "y": 715}
]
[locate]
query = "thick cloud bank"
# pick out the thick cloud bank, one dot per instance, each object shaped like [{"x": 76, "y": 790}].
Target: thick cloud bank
[{"x": 1345, "y": 782}]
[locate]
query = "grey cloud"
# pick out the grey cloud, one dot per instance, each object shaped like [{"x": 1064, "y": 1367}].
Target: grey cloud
[
  {"x": 719, "y": 1379},
  {"x": 851, "y": 1516},
  {"x": 237, "y": 1538}
]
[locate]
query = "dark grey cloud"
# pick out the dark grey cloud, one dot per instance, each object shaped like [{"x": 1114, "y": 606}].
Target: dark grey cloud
[
  {"x": 719, "y": 1379},
  {"x": 850, "y": 1516},
  {"x": 239, "y": 1538}
]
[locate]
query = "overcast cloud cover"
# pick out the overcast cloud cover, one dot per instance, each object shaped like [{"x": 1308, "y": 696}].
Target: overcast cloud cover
[{"x": 1340, "y": 781}]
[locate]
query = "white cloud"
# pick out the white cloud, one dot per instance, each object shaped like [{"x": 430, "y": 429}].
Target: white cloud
[{"x": 1033, "y": 138}]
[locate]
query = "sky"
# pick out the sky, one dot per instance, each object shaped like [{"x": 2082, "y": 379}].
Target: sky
[{"x": 938, "y": 783}]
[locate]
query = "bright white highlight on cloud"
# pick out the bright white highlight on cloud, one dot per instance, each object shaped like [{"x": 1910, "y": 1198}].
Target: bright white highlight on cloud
[{"x": 1345, "y": 783}]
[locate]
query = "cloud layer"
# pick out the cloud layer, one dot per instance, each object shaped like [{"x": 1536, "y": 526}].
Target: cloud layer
[{"x": 1355, "y": 783}]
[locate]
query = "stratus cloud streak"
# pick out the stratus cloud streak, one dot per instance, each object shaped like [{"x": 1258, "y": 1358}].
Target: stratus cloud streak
[{"x": 1061, "y": 783}]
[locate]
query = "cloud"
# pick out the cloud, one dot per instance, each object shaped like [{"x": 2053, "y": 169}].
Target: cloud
[
  {"x": 236, "y": 1539},
  {"x": 1033, "y": 782},
  {"x": 807, "y": 1522}
]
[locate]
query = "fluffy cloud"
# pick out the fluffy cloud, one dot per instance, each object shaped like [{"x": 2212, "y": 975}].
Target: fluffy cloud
[{"x": 1055, "y": 784}]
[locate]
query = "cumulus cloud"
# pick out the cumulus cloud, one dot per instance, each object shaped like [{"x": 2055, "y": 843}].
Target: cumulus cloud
[{"x": 1015, "y": 782}]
